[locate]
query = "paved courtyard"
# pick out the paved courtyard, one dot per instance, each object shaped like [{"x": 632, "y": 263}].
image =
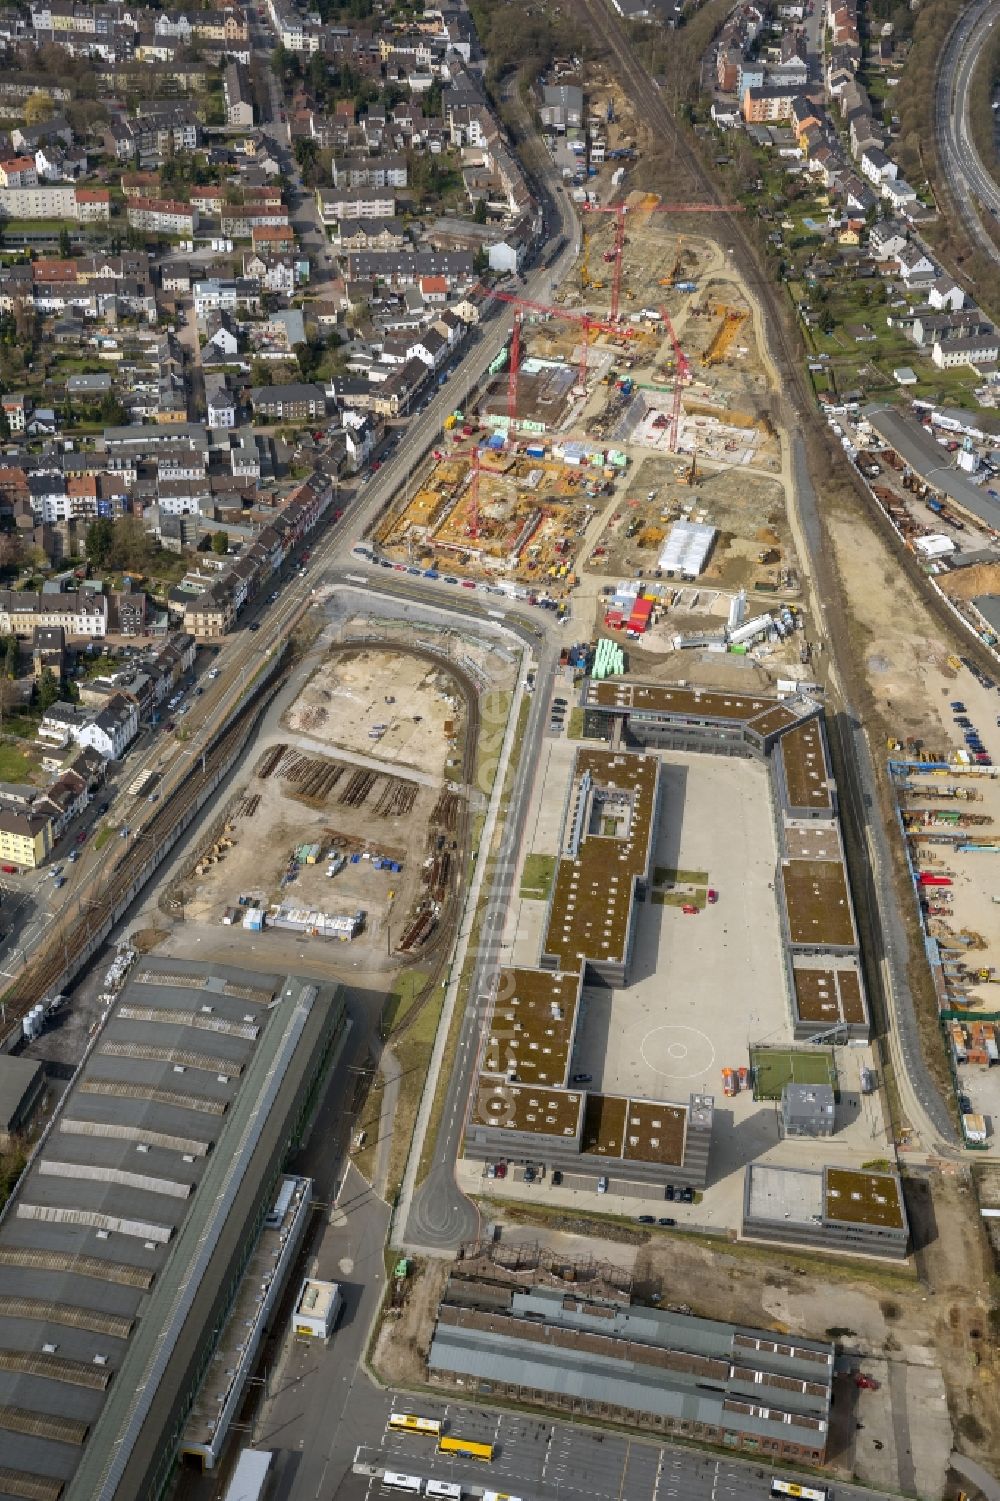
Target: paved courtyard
[{"x": 701, "y": 987}]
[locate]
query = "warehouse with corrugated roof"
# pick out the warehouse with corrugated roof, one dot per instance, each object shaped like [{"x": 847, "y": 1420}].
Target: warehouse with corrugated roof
[
  {"x": 122, "y": 1249},
  {"x": 674, "y": 1373}
]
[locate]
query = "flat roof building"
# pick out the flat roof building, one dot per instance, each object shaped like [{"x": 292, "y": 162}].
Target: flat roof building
[
  {"x": 821, "y": 950},
  {"x": 533, "y": 1026},
  {"x": 122, "y": 1246},
  {"x": 22, "y": 1083},
  {"x": 524, "y": 1108},
  {"x": 831, "y": 1209},
  {"x": 808, "y": 1110},
  {"x": 709, "y": 1381},
  {"x": 608, "y": 833},
  {"x": 316, "y": 1309}
]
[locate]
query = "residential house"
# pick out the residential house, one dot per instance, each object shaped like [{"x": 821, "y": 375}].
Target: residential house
[
  {"x": 220, "y": 402},
  {"x": 763, "y": 106},
  {"x": 221, "y": 335},
  {"x": 886, "y": 240},
  {"x": 876, "y": 166},
  {"x": 81, "y": 612},
  {"x": 388, "y": 171},
  {"x": 981, "y": 349},
  {"x": 946, "y": 294},
  {"x": 25, "y": 838},
  {"x": 914, "y": 264},
  {"x": 161, "y": 216},
  {"x": 18, "y": 172},
  {"x": 899, "y": 194},
  {"x": 238, "y": 95},
  {"x": 360, "y": 437},
  {"x": 291, "y": 403},
  {"x": 366, "y": 203}
]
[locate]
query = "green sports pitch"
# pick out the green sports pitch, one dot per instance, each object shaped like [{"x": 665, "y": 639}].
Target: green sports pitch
[{"x": 773, "y": 1068}]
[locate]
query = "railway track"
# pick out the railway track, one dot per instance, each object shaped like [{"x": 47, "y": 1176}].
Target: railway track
[{"x": 71, "y": 935}]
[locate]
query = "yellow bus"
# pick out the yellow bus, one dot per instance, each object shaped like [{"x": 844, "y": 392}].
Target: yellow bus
[
  {"x": 447, "y": 1444},
  {"x": 407, "y": 1422}
]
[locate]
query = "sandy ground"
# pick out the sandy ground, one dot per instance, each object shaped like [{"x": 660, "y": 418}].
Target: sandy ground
[
  {"x": 351, "y": 804},
  {"x": 904, "y": 657},
  {"x": 417, "y": 714}
]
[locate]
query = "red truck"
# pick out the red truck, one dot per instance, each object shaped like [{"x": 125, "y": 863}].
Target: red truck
[{"x": 9, "y": 870}]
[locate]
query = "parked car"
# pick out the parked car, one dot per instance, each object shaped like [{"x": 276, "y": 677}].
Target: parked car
[
  {"x": 670, "y": 1192},
  {"x": 556, "y": 1177},
  {"x": 602, "y": 1185},
  {"x": 582, "y": 1078},
  {"x": 501, "y": 1171},
  {"x": 666, "y": 1221},
  {"x": 647, "y": 1219}
]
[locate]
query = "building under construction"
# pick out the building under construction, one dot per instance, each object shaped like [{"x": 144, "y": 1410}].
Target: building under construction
[{"x": 510, "y": 511}]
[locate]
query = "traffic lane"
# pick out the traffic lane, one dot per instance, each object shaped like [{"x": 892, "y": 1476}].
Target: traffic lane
[
  {"x": 439, "y": 1213},
  {"x": 435, "y": 594},
  {"x": 321, "y": 1405}
]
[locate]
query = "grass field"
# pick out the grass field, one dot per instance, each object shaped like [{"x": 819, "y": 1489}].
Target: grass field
[
  {"x": 667, "y": 875},
  {"x": 16, "y": 765},
  {"x": 536, "y": 877},
  {"x": 773, "y": 1068},
  {"x": 680, "y": 899}
]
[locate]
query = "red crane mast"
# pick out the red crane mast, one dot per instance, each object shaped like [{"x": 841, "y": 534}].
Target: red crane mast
[{"x": 620, "y": 210}]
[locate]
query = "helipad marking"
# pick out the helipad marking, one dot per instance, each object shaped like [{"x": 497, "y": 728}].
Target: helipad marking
[{"x": 678, "y": 1044}]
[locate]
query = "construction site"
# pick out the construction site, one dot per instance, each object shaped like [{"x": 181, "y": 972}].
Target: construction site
[
  {"x": 504, "y": 513},
  {"x": 950, "y": 817},
  {"x": 646, "y": 358},
  {"x": 351, "y": 825}
]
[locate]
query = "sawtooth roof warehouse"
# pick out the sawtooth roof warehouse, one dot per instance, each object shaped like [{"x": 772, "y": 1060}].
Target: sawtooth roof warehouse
[
  {"x": 124, "y": 1248},
  {"x": 524, "y": 1108}
]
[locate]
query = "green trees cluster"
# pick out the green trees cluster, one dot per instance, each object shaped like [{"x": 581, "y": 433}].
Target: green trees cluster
[
  {"x": 123, "y": 543},
  {"x": 48, "y": 689},
  {"x": 10, "y": 656}
]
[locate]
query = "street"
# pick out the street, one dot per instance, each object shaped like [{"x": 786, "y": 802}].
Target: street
[{"x": 974, "y": 191}]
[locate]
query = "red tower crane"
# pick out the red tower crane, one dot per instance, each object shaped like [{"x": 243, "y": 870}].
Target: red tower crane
[
  {"x": 515, "y": 361},
  {"x": 682, "y": 374},
  {"x": 586, "y": 322},
  {"x": 620, "y": 210},
  {"x": 474, "y": 495}
]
